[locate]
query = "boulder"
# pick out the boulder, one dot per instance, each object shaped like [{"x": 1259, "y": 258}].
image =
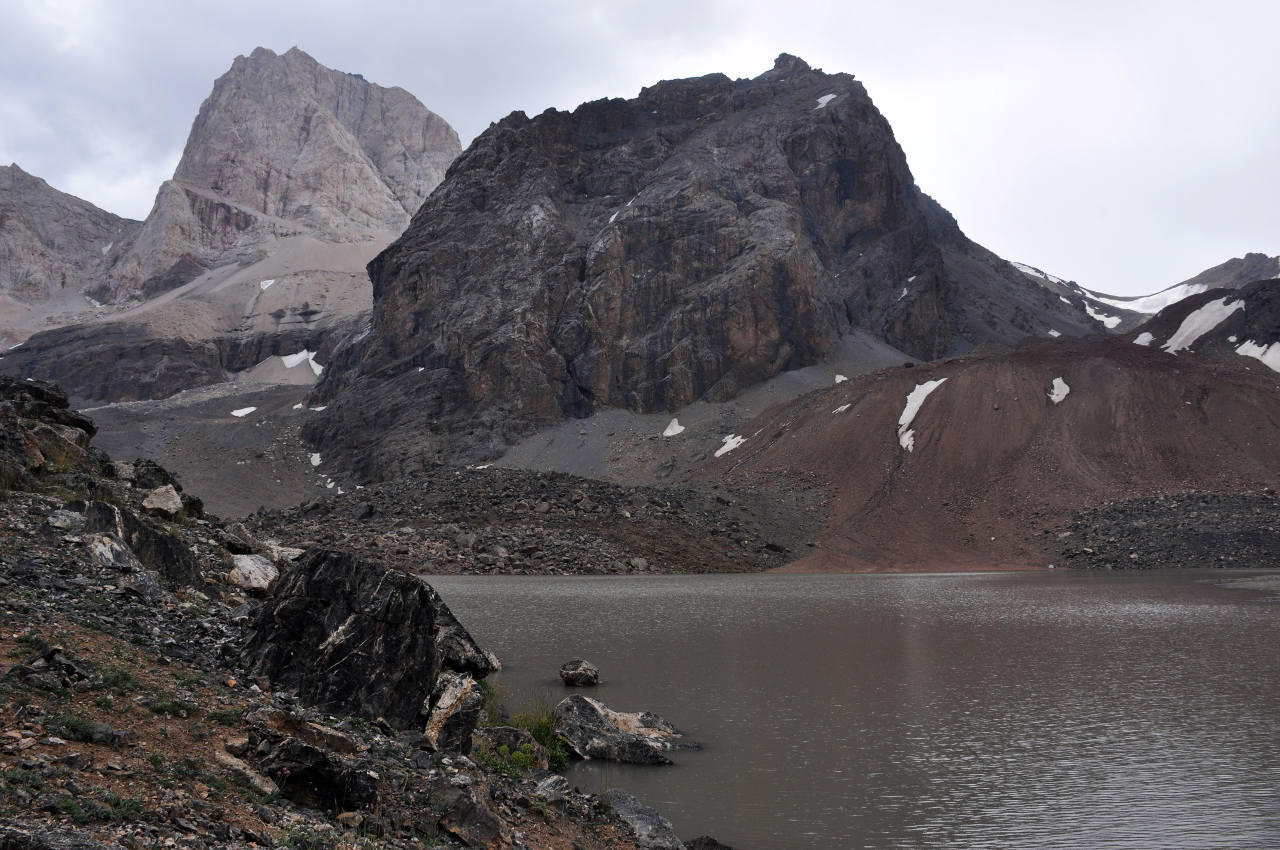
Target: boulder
[
  {"x": 163, "y": 501},
  {"x": 356, "y": 638},
  {"x": 108, "y": 550},
  {"x": 594, "y": 730},
  {"x": 453, "y": 712},
  {"x": 313, "y": 776},
  {"x": 156, "y": 549},
  {"x": 651, "y": 830},
  {"x": 252, "y": 572},
  {"x": 579, "y": 673},
  {"x": 474, "y": 824}
]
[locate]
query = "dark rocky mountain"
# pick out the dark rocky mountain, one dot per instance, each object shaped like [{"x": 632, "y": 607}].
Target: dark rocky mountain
[
  {"x": 293, "y": 177},
  {"x": 644, "y": 254},
  {"x": 1224, "y": 323}
]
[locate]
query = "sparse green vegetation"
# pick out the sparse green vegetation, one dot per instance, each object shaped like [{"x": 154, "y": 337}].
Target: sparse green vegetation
[
  {"x": 541, "y": 724},
  {"x": 174, "y": 707},
  {"x": 225, "y": 716}
]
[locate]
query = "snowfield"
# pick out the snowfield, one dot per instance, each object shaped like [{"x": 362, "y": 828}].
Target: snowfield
[
  {"x": 1200, "y": 321},
  {"x": 673, "y": 428},
  {"x": 1268, "y": 354},
  {"x": 1058, "y": 391}
]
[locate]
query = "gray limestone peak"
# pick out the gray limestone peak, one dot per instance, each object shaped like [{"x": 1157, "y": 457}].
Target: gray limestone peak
[{"x": 286, "y": 137}]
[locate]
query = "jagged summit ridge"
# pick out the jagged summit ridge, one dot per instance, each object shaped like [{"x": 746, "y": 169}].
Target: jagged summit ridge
[{"x": 685, "y": 244}]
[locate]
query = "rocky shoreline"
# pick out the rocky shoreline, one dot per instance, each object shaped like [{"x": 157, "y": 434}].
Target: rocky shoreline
[{"x": 155, "y": 695}]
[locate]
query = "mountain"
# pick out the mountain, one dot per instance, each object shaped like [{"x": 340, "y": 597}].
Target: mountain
[
  {"x": 978, "y": 462},
  {"x": 293, "y": 177},
  {"x": 50, "y": 244},
  {"x": 1222, "y": 323},
  {"x": 645, "y": 254},
  {"x": 1233, "y": 274}
]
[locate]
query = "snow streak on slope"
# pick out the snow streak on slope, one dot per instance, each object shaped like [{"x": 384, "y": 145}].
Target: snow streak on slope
[
  {"x": 1268, "y": 354},
  {"x": 1200, "y": 321},
  {"x": 1058, "y": 391},
  {"x": 907, "y": 436},
  {"x": 1152, "y": 304}
]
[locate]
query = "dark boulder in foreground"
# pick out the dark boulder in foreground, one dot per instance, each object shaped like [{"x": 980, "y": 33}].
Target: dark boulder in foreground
[
  {"x": 352, "y": 637},
  {"x": 595, "y": 731},
  {"x": 651, "y": 830}
]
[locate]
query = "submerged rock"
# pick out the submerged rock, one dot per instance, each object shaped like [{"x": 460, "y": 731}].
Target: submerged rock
[{"x": 594, "y": 730}]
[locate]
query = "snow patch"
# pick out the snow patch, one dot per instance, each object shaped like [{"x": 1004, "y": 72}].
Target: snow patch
[
  {"x": 1058, "y": 391},
  {"x": 904, "y": 293},
  {"x": 298, "y": 406},
  {"x": 824, "y": 100},
  {"x": 673, "y": 428},
  {"x": 1035, "y": 272},
  {"x": 1144, "y": 338},
  {"x": 731, "y": 442},
  {"x": 1232, "y": 338},
  {"x": 910, "y": 279},
  {"x": 106, "y": 248},
  {"x": 842, "y": 408},
  {"x": 266, "y": 284},
  {"x": 1064, "y": 300},
  {"x": 1268, "y": 354},
  {"x": 1054, "y": 333},
  {"x": 1200, "y": 321},
  {"x": 1107, "y": 321},
  {"x": 915, "y": 398},
  {"x": 315, "y": 458},
  {"x": 318, "y": 409},
  {"x": 242, "y": 412},
  {"x": 840, "y": 379},
  {"x": 304, "y": 356},
  {"x": 612, "y": 217},
  {"x": 1151, "y": 304}
]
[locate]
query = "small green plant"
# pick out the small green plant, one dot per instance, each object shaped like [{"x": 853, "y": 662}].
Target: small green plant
[
  {"x": 28, "y": 778},
  {"x": 70, "y": 726},
  {"x": 359, "y": 724},
  {"x": 34, "y": 641},
  {"x": 118, "y": 679},
  {"x": 541, "y": 724},
  {"x": 224, "y": 716},
  {"x": 199, "y": 731},
  {"x": 508, "y": 763},
  {"x": 104, "y": 702},
  {"x": 155, "y": 760},
  {"x": 303, "y": 840},
  {"x": 174, "y": 707}
]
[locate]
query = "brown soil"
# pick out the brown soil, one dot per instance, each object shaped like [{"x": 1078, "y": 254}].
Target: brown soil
[{"x": 996, "y": 463}]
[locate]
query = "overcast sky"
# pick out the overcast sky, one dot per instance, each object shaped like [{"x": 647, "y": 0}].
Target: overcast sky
[{"x": 1126, "y": 145}]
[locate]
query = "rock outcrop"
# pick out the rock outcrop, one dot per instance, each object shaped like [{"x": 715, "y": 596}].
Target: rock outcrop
[
  {"x": 579, "y": 673},
  {"x": 647, "y": 253},
  {"x": 595, "y": 731},
  {"x": 355, "y": 638}
]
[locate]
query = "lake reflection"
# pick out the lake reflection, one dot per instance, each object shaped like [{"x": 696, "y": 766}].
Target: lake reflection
[{"x": 993, "y": 710}]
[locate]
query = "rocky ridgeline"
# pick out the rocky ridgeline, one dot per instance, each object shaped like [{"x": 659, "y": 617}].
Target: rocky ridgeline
[
  {"x": 173, "y": 682},
  {"x": 452, "y": 520},
  {"x": 1186, "y": 530}
]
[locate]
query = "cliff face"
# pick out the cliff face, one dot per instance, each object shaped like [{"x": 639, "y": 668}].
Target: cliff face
[
  {"x": 293, "y": 176},
  {"x": 647, "y": 253},
  {"x": 285, "y": 146},
  {"x": 51, "y": 241}
]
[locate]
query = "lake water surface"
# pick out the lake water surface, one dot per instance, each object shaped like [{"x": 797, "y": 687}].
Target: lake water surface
[{"x": 992, "y": 710}]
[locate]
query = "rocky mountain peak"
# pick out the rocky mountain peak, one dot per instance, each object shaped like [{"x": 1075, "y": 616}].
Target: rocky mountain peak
[
  {"x": 648, "y": 253},
  {"x": 286, "y": 137}
]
